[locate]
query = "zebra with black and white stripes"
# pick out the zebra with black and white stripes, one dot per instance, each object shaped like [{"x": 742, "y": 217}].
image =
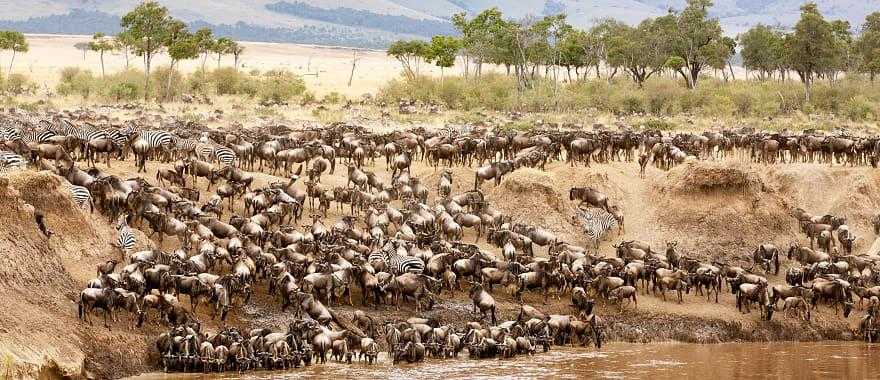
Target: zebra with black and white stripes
[
  {"x": 81, "y": 196},
  {"x": 225, "y": 156},
  {"x": 11, "y": 161},
  {"x": 395, "y": 263},
  {"x": 125, "y": 238},
  {"x": 151, "y": 142},
  {"x": 596, "y": 222}
]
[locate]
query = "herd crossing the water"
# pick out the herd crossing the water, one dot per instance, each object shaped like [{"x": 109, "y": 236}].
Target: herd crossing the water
[{"x": 399, "y": 239}]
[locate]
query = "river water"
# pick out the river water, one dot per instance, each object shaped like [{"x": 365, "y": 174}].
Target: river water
[{"x": 618, "y": 361}]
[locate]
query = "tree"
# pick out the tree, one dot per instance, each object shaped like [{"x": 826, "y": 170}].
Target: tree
[
  {"x": 602, "y": 37},
  {"x": 761, "y": 50},
  {"x": 221, "y": 47},
  {"x": 100, "y": 43},
  {"x": 868, "y": 46},
  {"x": 205, "y": 38},
  {"x": 442, "y": 51},
  {"x": 83, "y": 47},
  {"x": 237, "y": 50},
  {"x": 719, "y": 54},
  {"x": 122, "y": 42},
  {"x": 811, "y": 48},
  {"x": 479, "y": 35},
  {"x": 15, "y": 41},
  {"x": 409, "y": 54},
  {"x": 181, "y": 45},
  {"x": 147, "y": 27},
  {"x": 641, "y": 51},
  {"x": 693, "y": 38}
]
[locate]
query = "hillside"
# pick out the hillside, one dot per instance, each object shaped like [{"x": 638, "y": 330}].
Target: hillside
[{"x": 375, "y": 23}]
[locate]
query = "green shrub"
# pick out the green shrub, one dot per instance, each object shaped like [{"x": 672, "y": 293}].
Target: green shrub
[
  {"x": 858, "y": 108},
  {"x": 75, "y": 81},
  {"x": 125, "y": 85},
  {"x": 333, "y": 98},
  {"x": 18, "y": 84},
  {"x": 163, "y": 88},
  {"x": 659, "y": 124},
  {"x": 280, "y": 86}
]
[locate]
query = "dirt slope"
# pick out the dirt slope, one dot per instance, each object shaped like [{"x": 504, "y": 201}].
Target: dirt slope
[{"x": 41, "y": 281}]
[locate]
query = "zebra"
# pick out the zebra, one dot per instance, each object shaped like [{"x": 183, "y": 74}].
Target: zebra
[
  {"x": 82, "y": 134},
  {"x": 398, "y": 264},
  {"x": 596, "y": 223},
  {"x": 225, "y": 156},
  {"x": 149, "y": 142},
  {"x": 81, "y": 196},
  {"x": 125, "y": 238},
  {"x": 11, "y": 161},
  {"x": 184, "y": 147}
]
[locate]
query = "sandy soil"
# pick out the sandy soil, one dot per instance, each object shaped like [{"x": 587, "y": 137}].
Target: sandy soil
[{"x": 325, "y": 69}]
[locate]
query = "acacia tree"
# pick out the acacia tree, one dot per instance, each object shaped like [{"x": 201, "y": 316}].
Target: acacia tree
[
  {"x": 761, "y": 50},
  {"x": 442, "y": 52},
  {"x": 122, "y": 42},
  {"x": 478, "y": 36},
  {"x": 409, "y": 54},
  {"x": 147, "y": 27},
  {"x": 868, "y": 46},
  {"x": 641, "y": 51},
  {"x": 236, "y": 50},
  {"x": 205, "y": 42},
  {"x": 100, "y": 43},
  {"x": 693, "y": 39},
  {"x": 15, "y": 41},
  {"x": 810, "y": 49},
  {"x": 181, "y": 45},
  {"x": 221, "y": 47}
]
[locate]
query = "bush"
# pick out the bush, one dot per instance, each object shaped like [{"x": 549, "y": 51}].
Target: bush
[
  {"x": 162, "y": 88},
  {"x": 75, "y": 81},
  {"x": 18, "y": 84},
  {"x": 858, "y": 108},
  {"x": 124, "y": 86},
  {"x": 660, "y": 125},
  {"x": 280, "y": 86},
  {"x": 333, "y": 98}
]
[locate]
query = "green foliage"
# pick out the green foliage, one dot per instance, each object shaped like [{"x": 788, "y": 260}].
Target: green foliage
[
  {"x": 333, "y": 98},
  {"x": 443, "y": 50},
  {"x": 859, "y": 108},
  {"x": 18, "y": 84},
  {"x": 280, "y": 86},
  {"x": 409, "y": 53},
  {"x": 76, "y": 81},
  {"x": 659, "y": 124},
  {"x": 762, "y": 50},
  {"x": 849, "y": 98}
]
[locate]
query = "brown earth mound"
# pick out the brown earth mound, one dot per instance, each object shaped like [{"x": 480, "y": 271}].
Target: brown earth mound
[{"x": 39, "y": 330}]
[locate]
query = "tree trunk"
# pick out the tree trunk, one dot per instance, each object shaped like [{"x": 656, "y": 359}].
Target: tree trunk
[
  {"x": 235, "y": 62},
  {"x": 218, "y": 59},
  {"x": 732, "y": 75},
  {"x": 353, "y": 63},
  {"x": 10, "y": 62},
  {"x": 103, "y": 74},
  {"x": 205, "y": 59},
  {"x": 147, "y": 57},
  {"x": 126, "y": 58},
  {"x": 170, "y": 76}
]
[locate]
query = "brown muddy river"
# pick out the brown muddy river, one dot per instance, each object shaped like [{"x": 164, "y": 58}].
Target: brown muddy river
[{"x": 619, "y": 361}]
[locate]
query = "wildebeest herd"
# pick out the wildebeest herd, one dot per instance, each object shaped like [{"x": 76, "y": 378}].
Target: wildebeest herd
[{"x": 400, "y": 238}]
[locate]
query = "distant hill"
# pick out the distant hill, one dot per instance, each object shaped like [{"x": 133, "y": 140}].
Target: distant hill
[{"x": 375, "y": 23}]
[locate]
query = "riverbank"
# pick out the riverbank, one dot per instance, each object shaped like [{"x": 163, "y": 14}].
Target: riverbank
[{"x": 617, "y": 360}]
